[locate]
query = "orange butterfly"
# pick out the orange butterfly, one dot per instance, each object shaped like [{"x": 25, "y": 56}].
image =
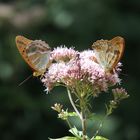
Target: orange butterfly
[
  {"x": 109, "y": 52},
  {"x": 36, "y": 54}
]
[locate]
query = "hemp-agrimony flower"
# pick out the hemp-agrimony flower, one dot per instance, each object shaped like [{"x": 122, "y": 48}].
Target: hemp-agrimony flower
[
  {"x": 83, "y": 77},
  {"x": 72, "y": 68},
  {"x": 119, "y": 94}
]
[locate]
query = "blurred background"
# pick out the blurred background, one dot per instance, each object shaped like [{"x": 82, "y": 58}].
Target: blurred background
[{"x": 25, "y": 111}]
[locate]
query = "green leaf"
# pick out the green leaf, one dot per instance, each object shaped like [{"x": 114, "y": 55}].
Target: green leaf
[
  {"x": 100, "y": 138},
  {"x": 66, "y": 138},
  {"x": 76, "y": 132}
]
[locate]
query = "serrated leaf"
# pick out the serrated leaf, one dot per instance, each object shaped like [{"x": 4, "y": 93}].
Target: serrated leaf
[
  {"x": 66, "y": 138},
  {"x": 100, "y": 138}
]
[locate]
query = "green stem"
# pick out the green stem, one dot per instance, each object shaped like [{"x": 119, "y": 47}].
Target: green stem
[
  {"x": 82, "y": 116},
  {"x": 83, "y": 113},
  {"x": 83, "y": 124},
  {"x": 73, "y": 105}
]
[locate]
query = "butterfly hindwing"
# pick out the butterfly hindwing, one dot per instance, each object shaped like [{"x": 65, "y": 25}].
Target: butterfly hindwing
[
  {"x": 38, "y": 53},
  {"x": 101, "y": 47}
]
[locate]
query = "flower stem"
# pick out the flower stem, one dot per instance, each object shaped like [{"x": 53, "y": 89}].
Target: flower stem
[
  {"x": 83, "y": 124},
  {"x": 83, "y": 107},
  {"x": 73, "y": 105},
  {"x": 81, "y": 115}
]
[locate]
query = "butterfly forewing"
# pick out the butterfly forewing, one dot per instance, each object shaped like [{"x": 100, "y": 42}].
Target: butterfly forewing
[
  {"x": 35, "y": 53},
  {"x": 109, "y": 52},
  {"x": 119, "y": 44},
  {"x": 22, "y": 44}
]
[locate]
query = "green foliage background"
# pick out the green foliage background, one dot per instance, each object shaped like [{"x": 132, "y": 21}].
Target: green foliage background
[{"x": 25, "y": 111}]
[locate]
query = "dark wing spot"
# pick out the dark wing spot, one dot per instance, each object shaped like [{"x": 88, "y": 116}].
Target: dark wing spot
[{"x": 116, "y": 52}]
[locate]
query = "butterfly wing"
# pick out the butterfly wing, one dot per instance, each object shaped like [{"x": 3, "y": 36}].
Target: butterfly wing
[
  {"x": 118, "y": 45},
  {"x": 22, "y": 43},
  {"x": 100, "y": 47},
  {"x": 35, "y": 53},
  {"x": 109, "y": 52},
  {"x": 38, "y": 53}
]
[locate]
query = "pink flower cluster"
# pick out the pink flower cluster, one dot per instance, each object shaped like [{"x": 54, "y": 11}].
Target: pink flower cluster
[
  {"x": 62, "y": 53},
  {"x": 72, "y": 68},
  {"x": 119, "y": 94}
]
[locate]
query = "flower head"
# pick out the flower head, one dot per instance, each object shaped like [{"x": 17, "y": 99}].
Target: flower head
[
  {"x": 78, "y": 69},
  {"x": 119, "y": 94},
  {"x": 63, "y": 53}
]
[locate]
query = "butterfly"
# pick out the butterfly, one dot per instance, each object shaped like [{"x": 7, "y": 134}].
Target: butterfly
[
  {"x": 109, "y": 52},
  {"x": 35, "y": 53}
]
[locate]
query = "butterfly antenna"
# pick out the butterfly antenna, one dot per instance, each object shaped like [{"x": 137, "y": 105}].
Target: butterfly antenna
[
  {"x": 123, "y": 74},
  {"x": 25, "y": 80}
]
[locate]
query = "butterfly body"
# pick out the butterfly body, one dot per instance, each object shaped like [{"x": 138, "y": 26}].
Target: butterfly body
[
  {"x": 109, "y": 52},
  {"x": 35, "y": 53}
]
